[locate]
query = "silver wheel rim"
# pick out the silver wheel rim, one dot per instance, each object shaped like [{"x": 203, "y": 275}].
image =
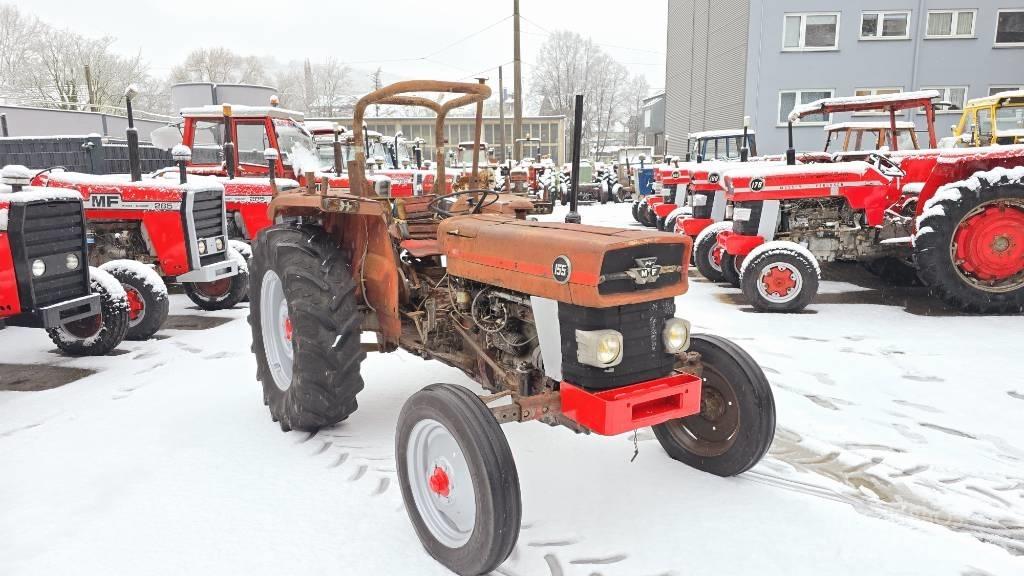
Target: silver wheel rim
[
  {"x": 132, "y": 323},
  {"x": 449, "y": 513},
  {"x": 775, "y": 298},
  {"x": 276, "y": 329}
]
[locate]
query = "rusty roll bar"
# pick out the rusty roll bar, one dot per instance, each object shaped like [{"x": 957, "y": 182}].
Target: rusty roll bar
[{"x": 398, "y": 94}]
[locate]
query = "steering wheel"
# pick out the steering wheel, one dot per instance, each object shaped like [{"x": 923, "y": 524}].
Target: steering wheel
[
  {"x": 435, "y": 204},
  {"x": 886, "y": 165}
]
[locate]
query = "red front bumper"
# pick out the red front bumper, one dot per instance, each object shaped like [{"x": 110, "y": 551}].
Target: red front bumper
[
  {"x": 693, "y": 226},
  {"x": 738, "y": 244},
  {"x": 664, "y": 209},
  {"x": 619, "y": 410}
]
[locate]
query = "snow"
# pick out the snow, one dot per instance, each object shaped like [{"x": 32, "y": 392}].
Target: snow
[
  {"x": 40, "y": 194},
  {"x": 143, "y": 272},
  {"x": 867, "y": 101},
  {"x": 243, "y": 111},
  {"x": 952, "y": 191},
  {"x": 4, "y": 216},
  {"x": 181, "y": 152},
  {"x": 891, "y": 451},
  {"x": 711, "y": 229},
  {"x": 782, "y": 246},
  {"x": 718, "y": 133},
  {"x": 107, "y": 282}
]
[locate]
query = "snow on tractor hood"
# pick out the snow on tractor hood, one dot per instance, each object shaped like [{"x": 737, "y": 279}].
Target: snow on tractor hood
[{"x": 593, "y": 266}]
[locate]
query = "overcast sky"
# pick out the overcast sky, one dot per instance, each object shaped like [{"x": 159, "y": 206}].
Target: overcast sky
[{"x": 397, "y": 35}]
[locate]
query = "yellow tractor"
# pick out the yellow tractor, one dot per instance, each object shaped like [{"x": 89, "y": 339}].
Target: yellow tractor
[{"x": 996, "y": 119}]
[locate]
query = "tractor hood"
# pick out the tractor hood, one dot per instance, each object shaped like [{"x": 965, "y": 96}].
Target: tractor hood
[
  {"x": 767, "y": 182},
  {"x": 591, "y": 266}
]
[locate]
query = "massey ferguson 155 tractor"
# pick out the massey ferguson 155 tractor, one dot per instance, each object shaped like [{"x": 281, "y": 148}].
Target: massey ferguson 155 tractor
[
  {"x": 45, "y": 278},
  {"x": 563, "y": 323},
  {"x": 726, "y": 145},
  {"x": 955, "y": 215}
]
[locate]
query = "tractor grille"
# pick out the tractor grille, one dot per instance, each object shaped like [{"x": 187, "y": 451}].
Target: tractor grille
[
  {"x": 618, "y": 261},
  {"x": 749, "y": 226},
  {"x": 704, "y": 212},
  {"x": 208, "y": 218},
  {"x": 49, "y": 231},
  {"x": 644, "y": 357}
]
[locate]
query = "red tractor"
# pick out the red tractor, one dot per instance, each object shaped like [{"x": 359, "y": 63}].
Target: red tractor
[
  {"x": 45, "y": 279},
  {"x": 565, "y": 324},
  {"x": 956, "y": 216},
  {"x": 671, "y": 180}
]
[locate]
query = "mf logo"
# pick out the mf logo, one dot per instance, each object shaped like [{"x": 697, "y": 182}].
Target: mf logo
[
  {"x": 104, "y": 201},
  {"x": 647, "y": 270},
  {"x": 757, "y": 184}
]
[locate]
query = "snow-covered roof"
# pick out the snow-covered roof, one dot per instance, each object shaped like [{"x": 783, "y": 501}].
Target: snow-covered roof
[
  {"x": 996, "y": 96},
  {"x": 39, "y": 193},
  {"x": 321, "y": 126},
  {"x": 901, "y": 125},
  {"x": 469, "y": 144},
  {"x": 718, "y": 133},
  {"x": 244, "y": 111},
  {"x": 862, "y": 102}
]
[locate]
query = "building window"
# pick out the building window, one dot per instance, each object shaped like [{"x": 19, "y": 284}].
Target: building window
[
  {"x": 993, "y": 90},
  {"x": 955, "y": 95},
  {"x": 874, "y": 92},
  {"x": 788, "y": 99},
  {"x": 647, "y": 118},
  {"x": 950, "y": 24},
  {"x": 885, "y": 25},
  {"x": 1010, "y": 28},
  {"x": 819, "y": 31}
]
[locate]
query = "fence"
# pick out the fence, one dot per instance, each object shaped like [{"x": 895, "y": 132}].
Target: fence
[{"x": 89, "y": 154}]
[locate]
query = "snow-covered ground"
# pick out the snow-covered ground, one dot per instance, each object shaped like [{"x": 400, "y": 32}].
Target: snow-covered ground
[{"x": 899, "y": 450}]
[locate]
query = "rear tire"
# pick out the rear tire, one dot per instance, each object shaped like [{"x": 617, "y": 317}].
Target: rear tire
[
  {"x": 779, "y": 280},
  {"x": 305, "y": 327},
  {"x": 972, "y": 251},
  {"x": 224, "y": 293},
  {"x": 604, "y": 195},
  {"x": 736, "y": 424},
  {"x": 148, "y": 304},
  {"x": 96, "y": 335},
  {"x": 894, "y": 271},
  {"x": 458, "y": 479}
]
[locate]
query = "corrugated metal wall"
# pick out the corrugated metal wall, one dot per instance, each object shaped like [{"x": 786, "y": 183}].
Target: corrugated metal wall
[{"x": 705, "y": 71}]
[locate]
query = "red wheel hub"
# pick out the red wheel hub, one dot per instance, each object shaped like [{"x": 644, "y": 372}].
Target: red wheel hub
[
  {"x": 990, "y": 243},
  {"x": 778, "y": 281},
  {"x": 135, "y": 303},
  {"x": 288, "y": 328},
  {"x": 439, "y": 482},
  {"x": 716, "y": 255}
]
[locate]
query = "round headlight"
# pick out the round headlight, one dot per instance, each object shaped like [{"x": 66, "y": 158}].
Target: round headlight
[
  {"x": 676, "y": 335},
  {"x": 202, "y": 246},
  {"x": 608, "y": 348},
  {"x": 38, "y": 268},
  {"x": 219, "y": 243},
  {"x": 71, "y": 261}
]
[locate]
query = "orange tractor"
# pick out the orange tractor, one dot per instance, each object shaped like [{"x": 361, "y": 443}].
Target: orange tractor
[{"x": 566, "y": 324}]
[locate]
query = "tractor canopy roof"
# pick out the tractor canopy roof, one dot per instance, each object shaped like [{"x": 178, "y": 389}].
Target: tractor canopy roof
[
  {"x": 887, "y": 102},
  {"x": 318, "y": 127},
  {"x": 1015, "y": 97},
  {"x": 718, "y": 133},
  {"x": 217, "y": 110},
  {"x": 900, "y": 125}
]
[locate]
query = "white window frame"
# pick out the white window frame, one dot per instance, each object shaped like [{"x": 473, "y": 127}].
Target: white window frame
[
  {"x": 803, "y": 32},
  {"x": 796, "y": 102},
  {"x": 874, "y": 92},
  {"x": 881, "y": 14},
  {"x": 953, "y": 24},
  {"x": 1004, "y": 88},
  {"x": 995, "y": 32},
  {"x": 943, "y": 92}
]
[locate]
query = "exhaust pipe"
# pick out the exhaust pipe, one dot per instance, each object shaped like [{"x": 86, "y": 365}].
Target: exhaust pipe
[{"x": 134, "y": 163}]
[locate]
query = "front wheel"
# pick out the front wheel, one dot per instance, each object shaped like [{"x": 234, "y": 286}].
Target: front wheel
[
  {"x": 148, "y": 304},
  {"x": 736, "y": 423},
  {"x": 224, "y": 293},
  {"x": 458, "y": 479},
  {"x": 707, "y": 253},
  {"x": 731, "y": 269},
  {"x": 96, "y": 335},
  {"x": 780, "y": 277}
]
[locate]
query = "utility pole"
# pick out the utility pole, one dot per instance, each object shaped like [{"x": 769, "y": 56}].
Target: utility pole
[
  {"x": 501, "y": 115},
  {"x": 88, "y": 88},
  {"x": 517, "y": 117}
]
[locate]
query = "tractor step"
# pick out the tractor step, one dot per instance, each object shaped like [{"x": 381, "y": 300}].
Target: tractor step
[{"x": 619, "y": 410}]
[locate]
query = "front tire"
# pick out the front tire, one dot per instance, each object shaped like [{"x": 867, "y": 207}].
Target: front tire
[
  {"x": 731, "y": 269},
  {"x": 636, "y": 208},
  {"x": 305, "y": 327},
  {"x": 779, "y": 278},
  {"x": 224, "y": 293},
  {"x": 458, "y": 479},
  {"x": 96, "y": 335},
  {"x": 707, "y": 254},
  {"x": 736, "y": 424},
  {"x": 148, "y": 304},
  {"x": 969, "y": 247}
]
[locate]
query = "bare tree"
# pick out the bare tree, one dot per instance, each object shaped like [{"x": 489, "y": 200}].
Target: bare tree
[
  {"x": 219, "y": 65},
  {"x": 637, "y": 92},
  {"x": 19, "y": 35}
]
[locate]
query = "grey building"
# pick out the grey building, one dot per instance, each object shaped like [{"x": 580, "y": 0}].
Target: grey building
[
  {"x": 726, "y": 59},
  {"x": 653, "y": 123}
]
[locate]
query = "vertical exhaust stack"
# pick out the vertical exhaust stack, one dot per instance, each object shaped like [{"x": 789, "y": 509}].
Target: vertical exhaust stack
[
  {"x": 229, "y": 144},
  {"x": 271, "y": 156},
  {"x": 339, "y": 166},
  {"x": 3, "y": 126},
  {"x": 745, "y": 149},
  {"x": 573, "y": 217},
  {"x": 791, "y": 150},
  {"x": 182, "y": 155},
  {"x": 134, "y": 163}
]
